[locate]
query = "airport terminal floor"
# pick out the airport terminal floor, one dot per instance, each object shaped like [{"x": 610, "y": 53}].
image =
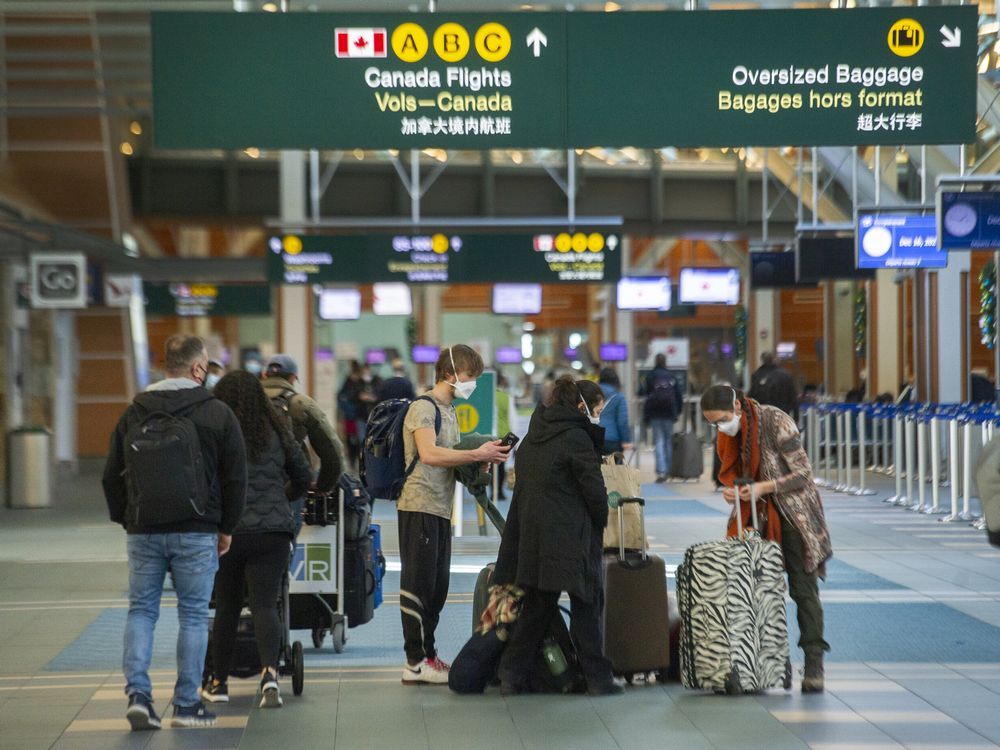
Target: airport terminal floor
[{"x": 912, "y": 610}]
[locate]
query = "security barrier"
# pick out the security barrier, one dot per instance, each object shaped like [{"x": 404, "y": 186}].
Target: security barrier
[{"x": 925, "y": 448}]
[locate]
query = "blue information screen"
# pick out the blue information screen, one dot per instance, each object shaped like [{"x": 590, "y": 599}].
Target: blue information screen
[
  {"x": 887, "y": 240},
  {"x": 970, "y": 220}
]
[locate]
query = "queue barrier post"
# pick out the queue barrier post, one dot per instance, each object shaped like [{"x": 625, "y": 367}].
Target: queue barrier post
[
  {"x": 911, "y": 458},
  {"x": 935, "y": 506},
  {"x": 862, "y": 490},
  {"x": 920, "y": 504}
]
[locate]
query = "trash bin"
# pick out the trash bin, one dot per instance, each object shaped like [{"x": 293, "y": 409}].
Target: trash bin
[{"x": 29, "y": 468}]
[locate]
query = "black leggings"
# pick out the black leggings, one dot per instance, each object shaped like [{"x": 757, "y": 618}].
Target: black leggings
[{"x": 257, "y": 561}]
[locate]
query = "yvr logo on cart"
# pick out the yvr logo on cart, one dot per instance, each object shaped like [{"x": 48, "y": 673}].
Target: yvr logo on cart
[{"x": 312, "y": 562}]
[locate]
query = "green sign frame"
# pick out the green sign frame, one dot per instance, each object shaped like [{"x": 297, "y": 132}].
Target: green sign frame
[
  {"x": 543, "y": 258},
  {"x": 900, "y": 75}
]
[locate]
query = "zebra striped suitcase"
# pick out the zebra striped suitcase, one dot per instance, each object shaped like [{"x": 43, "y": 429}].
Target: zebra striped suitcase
[{"x": 731, "y": 596}]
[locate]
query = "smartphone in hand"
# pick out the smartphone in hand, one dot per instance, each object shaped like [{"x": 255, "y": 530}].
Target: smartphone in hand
[{"x": 509, "y": 440}]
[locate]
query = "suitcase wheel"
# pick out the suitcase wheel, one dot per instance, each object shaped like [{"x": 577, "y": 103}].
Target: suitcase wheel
[
  {"x": 629, "y": 677},
  {"x": 339, "y": 637},
  {"x": 733, "y": 683},
  {"x": 787, "y": 682},
  {"x": 318, "y": 636},
  {"x": 298, "y": 668}
]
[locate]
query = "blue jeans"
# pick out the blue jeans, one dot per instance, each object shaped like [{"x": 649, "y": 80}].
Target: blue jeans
[
  {"x": 663, "y": 442},
  {"x": 192, "y": 559}
]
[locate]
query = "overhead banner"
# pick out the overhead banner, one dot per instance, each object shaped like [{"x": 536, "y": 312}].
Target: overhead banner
[
  {"x": 556, "y": 80},
  {"x": 204, "y": 300},
  {"x": 444, "y": 258}
]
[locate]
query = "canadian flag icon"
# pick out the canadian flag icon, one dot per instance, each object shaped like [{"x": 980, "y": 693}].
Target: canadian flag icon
[{"x": 360, "y": 42}]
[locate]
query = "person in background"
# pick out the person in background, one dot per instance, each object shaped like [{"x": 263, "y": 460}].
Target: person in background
[
  {"x": 278, "y": 472},
  {"x": 347, "y": 408},
  {"x": 425, "y": 505},
  {"x": 614, "y": 416},
  {"x": 762, "y": 442},
  {"x": 554, "y": 535},
  {"x": 660, "y": 411},
  {"x": 215, "y": 372},
  {"x": 981, "y": 387},
  {"x": 398, "y": 386},
  {"x": 772, "y": 385},
  {"x": 307, "y": 423},
  {"x": 189, "y": 548}
]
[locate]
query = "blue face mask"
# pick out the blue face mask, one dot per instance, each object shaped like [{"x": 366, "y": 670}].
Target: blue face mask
[{"x": 210, "y": 380}]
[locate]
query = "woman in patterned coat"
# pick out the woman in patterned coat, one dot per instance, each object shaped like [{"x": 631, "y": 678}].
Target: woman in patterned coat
[{"x": 762, "y": 443}]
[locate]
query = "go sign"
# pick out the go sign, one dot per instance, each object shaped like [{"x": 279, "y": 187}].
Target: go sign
[{"x": 59, "y": 280}]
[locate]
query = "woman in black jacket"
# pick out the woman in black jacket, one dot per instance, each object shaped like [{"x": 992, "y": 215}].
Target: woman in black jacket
[
  {"x": 277, "y": 473},
  {"x": 552, "y": 541}
]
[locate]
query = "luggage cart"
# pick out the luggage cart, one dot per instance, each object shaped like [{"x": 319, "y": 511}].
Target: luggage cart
[{"x": 316, "y": 572}]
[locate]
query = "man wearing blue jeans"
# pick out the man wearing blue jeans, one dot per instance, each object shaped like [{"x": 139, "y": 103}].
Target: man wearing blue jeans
[
  {"x": 660, "y": 409},
  {"x": 176, "y": 481}
]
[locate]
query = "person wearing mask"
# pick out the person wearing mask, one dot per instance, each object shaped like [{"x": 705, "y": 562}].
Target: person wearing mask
[
  {"x": 553, "y": 538},
  {"x": 614, "y": 416},
  {"x": 347, "y": 407},
  {"x": 176, "y": 520},
  {"x": 660, "y": 411},
  {"x": 308, "y": 423},
  {"x": 762, "y": 442},
  {"x": 398, "y": 386},
  {"x": 772, "y": 385},
  {"x": 430, "y": 434},
  {"x": 215, "y": 372},
  {"x": 277, "y": 473}
]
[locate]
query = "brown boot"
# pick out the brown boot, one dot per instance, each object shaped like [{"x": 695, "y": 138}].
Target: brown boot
[{"x": 812, "y": 675}]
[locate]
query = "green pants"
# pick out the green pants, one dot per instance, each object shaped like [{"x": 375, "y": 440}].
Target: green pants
[{"x": 804, "y": 590}]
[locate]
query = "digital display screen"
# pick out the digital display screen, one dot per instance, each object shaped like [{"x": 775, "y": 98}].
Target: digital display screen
[
  {"x": 772, "y": 270},
  {"x": 644, "y": 293},
  {"x": 709, "y": 286},
  {"x": 508, "y": 355},
  {"x": 375, "y": 357},
  {"x": 517, "y": 299},
  {"x": 613, "y": 352},
  {"x": 339, "y": 304},
  {"x": 899, "y": 240},
  {"x": 826, "y": 258},
  {"x": 423, "y": 354},
  {"x": 786, "y": 349},
  {"x": 392, "y": 298}
]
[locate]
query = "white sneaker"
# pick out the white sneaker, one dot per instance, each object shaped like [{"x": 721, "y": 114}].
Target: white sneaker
[{"x": 427, "y": 672}]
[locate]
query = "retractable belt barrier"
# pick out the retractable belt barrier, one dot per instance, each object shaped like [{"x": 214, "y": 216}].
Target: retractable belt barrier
[{"x": 919, "y": 445}]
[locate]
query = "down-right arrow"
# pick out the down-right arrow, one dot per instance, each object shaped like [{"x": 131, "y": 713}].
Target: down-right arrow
[{"x": 951, "y": 37}]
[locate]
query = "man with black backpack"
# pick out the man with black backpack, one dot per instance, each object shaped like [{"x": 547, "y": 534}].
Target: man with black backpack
[
  {"x": 663, "y": 404},
  {"x": 306, "y": 421},
  {"x": 176, "y": 479}
]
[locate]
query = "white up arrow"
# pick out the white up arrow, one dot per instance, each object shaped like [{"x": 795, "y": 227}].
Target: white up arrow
[
  {"x": 951, "y": 38},
  {"x": 537, "y": 40}
]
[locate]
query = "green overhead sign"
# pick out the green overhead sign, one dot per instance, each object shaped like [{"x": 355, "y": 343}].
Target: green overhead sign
[
  {"x": 204, "y": 300},
  {"x": 565, "y": 80},
  {"x": 445, "y": 258}
]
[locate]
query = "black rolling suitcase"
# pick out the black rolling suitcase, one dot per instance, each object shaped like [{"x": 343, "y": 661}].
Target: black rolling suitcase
[
  {"x": 360, "y": 580},
  {"x": 687, "y": 460},
  {"x": 636, "y": 629}
]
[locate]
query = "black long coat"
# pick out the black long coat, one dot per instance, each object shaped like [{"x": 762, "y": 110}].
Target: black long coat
[{"x": 553, "y": 536}]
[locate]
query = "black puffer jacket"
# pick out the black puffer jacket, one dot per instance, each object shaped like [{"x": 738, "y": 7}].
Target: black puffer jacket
[
  {"x": 553, "y": 536},
  {"x": 281, "y": 474}
]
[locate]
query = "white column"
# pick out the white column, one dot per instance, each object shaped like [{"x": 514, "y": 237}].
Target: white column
[
  {"x": 764, "y": 336},
  {"x": 294, "y": 311},
  {"x": 885, "y": 320},
  {"x": 951, "y": 369},
  {"x": 67, "y": 368}
]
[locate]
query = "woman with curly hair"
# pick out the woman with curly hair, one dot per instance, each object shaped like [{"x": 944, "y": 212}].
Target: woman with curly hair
[{"x": 277, "y": 473}]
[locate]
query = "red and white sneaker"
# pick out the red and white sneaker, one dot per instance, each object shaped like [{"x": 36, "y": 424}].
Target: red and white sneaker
[
  {"x": 441, "y": 664},
  {"x": 427, "y": 672}
]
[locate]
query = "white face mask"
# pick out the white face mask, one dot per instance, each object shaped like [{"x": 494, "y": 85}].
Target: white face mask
[
  {"x": 591, "y": 417},
  {"x": 211, "y": 380},
  {"x": 462, "y": 389},
  {"x": 730, "y": 427}
]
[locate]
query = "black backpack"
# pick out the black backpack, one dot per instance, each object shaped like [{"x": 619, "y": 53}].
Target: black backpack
[
  {"x": 165, "y": 471},
  {"x": 383, "y": 455},
  {"x": 661, "y": 401}
]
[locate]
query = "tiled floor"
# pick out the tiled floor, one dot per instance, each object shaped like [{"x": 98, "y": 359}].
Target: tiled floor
[{"x": 913, "y": 614}]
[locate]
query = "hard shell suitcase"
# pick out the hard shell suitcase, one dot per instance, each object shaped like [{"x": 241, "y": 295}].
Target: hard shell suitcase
[
  {"x": 360, "y": 580},
  {"x": 636, "y": 630},
  {"x": 731, "y": 596},
  {"x": 375, "y": 531},
  {"x": 687, "y": 460}
]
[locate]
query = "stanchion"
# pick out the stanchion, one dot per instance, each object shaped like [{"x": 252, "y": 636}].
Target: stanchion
[
  {"x": 878, "y": 428},
  {"x": 863, "y": 491},
  {"x": 953, "y": 470},
  {"x": 827, "y": 443},
  {"x": 841, "y": 485},
  {"x": 966, "y": 515},
  {"x": 911, "y": 459},
  {"x": 897, "y": 449},
  {"x": 921, "y": 465},
  {"x": 935, "y": 507}
]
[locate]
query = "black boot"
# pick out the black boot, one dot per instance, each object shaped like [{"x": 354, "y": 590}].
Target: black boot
[{"x": 812, "y": 675}]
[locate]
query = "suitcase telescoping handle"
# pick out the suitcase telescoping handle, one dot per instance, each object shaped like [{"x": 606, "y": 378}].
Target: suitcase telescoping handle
[
  {"x": 738, "y": 509},
  {"x": 622, "y": 502}
]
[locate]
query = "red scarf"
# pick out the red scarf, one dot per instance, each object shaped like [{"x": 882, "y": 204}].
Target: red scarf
[{"x": 741, "y": 458}]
